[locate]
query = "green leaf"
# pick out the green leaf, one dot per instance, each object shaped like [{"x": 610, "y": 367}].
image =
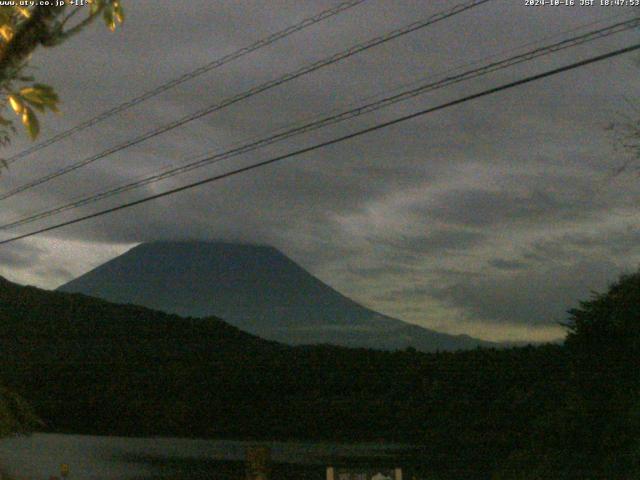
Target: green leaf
[
  {"x": 31, "y": 123},
  {"x": 6, "y": 31},
  {"x": 16, "y": 103},
  {"x": 118, "y": 12},
  {"x": 96, "y": 5},
  {"x": 109, "y": 19},
  {"x": 23, "y": 11},
  {"x": 32, "y": 95},
  {"x": 40, "y": 96},
  {"x": 38, "y": 106}
]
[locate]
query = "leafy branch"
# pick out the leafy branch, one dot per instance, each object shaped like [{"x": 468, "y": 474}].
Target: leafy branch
[{"x": 22, "y": 31}]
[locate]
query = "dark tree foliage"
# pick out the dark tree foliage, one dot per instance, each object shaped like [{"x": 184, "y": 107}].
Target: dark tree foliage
[
  {"x": 604, "y": 343},
  {"x": 550, "y": 411},
  {"x": 89, "y": 366},
  {"x": 594, "y": 432}
]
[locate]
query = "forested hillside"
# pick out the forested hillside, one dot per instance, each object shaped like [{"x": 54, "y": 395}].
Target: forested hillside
[{"x": 88, "y": 366}]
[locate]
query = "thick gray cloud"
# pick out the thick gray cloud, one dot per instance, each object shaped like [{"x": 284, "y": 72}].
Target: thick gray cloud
[
  {"x": 484, "y": 218},
  {"x": 476, "y": 207},
  {"x": 616, "y": 244},
  {"x": 20, "y": 256},
  {"x": 432, "y": 243},
  {"x": 503, "y": 264},
  {"x": 540, "y": 297}
]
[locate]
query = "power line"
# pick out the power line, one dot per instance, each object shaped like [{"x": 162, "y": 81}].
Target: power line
[
  {"x": 253, "y": 91},
  {"x": 334, "y": 141},
  {"x": 581, "y": 39},
  {"x": 336, "y": 118},
  {"x": 80, "y": 200},
  {"x": 307, "y": 22}
]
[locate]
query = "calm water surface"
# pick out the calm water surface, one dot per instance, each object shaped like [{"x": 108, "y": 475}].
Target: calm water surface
[{"x": 39, "y": 456}]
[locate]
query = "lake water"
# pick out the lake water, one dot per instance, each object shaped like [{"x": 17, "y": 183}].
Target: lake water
[{"x": 39, "y": 456}]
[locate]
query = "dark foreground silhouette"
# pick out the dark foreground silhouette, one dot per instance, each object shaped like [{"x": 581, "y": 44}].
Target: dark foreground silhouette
[{"x": 551, "y": 411}]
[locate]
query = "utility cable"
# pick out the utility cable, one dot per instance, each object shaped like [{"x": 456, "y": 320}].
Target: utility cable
[
  {"x": 307, "y": 22},
  {"x": 333, "y": 119},
  {"x": 251, "y": 92},
  {"x": 334, "y": 141}
]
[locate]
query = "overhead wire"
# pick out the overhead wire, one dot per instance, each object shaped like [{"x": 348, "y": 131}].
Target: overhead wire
[
  {"x": 361, "y": 47},
  {"x": 335, "y": 141},
  {"x": 219, "y": 62},
  {"x": 336, "y": 118}
]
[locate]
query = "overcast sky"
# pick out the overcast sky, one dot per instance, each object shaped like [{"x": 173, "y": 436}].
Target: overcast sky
[{"x": 491, "y": 218}]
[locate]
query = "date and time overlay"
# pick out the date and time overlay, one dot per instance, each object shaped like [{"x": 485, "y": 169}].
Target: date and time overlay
[
  {"x": 582, "y": 3},
  {"x": 527, "y": 3}
]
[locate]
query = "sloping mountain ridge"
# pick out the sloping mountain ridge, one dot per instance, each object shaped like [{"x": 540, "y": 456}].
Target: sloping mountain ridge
[
  {"x": 88, "y": 366},
  {"x": 255, "y": 288}
]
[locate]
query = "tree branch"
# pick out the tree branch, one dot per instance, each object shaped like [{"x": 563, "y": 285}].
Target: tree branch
[{"x": 33, "y": 32}]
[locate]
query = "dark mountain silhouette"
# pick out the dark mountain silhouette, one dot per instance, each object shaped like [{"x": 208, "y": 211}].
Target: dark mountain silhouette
[
  {"x": 94, "y": 367},
  {"x": 556, "y": 411},
  {"x": 89, "y": 366},
  {"x": 255, "y": 288}
]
